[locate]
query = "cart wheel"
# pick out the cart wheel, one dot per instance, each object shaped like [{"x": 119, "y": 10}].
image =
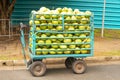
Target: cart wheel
[
  {"x": 79, "y": 66},
  {"x": 30, "y": 62},
  {"x": 69, "y": 61},
  {"x": 38, "y": 68}
]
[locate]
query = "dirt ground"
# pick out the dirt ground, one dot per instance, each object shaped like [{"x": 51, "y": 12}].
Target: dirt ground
[
  {"x": 106, "y": 47},
  {"x": 11, "y": 48}
]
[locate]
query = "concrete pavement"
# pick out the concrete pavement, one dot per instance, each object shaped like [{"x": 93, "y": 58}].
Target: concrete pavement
[{"x": 96, "y": 71}]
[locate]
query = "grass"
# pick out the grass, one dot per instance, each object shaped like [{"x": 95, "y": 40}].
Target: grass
[
  {"x": 7, "y": 57},
  {"x": 108, "y": 33},
  {"x": 12, "y": 57},
  {"x": 113, "y": 53}
]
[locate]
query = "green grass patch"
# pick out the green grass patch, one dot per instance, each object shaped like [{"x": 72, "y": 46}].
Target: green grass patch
[
  {"x": 112, "y": 53},
  {"x": 9, "y": 58},
  {"x": 108, "y": 33}
]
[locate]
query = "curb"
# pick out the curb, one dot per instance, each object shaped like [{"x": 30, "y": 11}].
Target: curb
[
  {"x": 102, "y": 59},
  {"x": 60, "y": 60}
]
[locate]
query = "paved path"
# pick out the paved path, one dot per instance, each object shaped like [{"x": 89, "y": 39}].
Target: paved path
[{"x": 96, "y": 71}]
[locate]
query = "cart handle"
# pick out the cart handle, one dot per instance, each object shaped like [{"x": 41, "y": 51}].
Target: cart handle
[
  {"x": 22, "y": 34},
  {"x": 22, "y": 39}
]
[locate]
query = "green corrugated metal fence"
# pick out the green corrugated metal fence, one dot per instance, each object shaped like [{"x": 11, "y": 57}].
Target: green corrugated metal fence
[
  {"x": 23, "y": 8},
  {"x": 112, "y": 14}
]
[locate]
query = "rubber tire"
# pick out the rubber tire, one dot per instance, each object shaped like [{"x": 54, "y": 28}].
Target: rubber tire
[
  {"x": 30, "y": 62},
  {"x": 39, "y": 72},
  {"x": 69, "y": 61},
  {"x": 79, "y": 67}
]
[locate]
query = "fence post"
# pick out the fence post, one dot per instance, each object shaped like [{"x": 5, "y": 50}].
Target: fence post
[
  {"x": 9, "y": 29},
  {"x": 103, "y": 19}
]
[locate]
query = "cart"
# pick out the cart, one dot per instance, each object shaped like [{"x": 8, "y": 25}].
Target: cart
[{"x": 74, "y": 60}]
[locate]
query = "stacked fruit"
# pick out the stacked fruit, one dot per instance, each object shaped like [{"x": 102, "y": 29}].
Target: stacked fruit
[{"x": 67, "y": 31}]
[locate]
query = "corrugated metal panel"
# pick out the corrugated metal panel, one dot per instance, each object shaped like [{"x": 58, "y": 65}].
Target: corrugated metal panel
[
  {"x": 112, "y": 15},
  {"x": 23, "y": 7}
]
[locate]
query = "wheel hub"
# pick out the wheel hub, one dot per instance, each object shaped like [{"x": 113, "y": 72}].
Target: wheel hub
[
  {"x": 38, "y": 68},
  {"x": 79, "y": 66}
]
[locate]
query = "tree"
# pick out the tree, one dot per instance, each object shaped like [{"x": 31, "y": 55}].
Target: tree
[{"x": 6, "y": 8}]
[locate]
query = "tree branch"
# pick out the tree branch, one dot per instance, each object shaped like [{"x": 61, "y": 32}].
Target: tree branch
[
  {"x": 11, "y": 7},
  {"x": 4, "y": 5}
]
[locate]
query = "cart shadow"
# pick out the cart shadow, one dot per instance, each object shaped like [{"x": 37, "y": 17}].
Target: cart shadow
[
  {"x": 58, "y": 71},
  {"x": 65, "y": 71}
]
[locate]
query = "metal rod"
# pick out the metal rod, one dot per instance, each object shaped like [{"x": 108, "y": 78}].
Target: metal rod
[
  {"x": 9, "y": 29},
  {"x": 13, "y": 35},
  {"x": 15, "y": 19},
  {"x": 103, "y": 19}
]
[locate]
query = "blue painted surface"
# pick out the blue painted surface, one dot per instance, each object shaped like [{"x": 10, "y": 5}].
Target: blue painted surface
[
  {"x": 112, "y": 18},
  {"x": 23, "y": 8},
  {"x": 112, "y": 15},
  {"x": 60, "y": 55}
]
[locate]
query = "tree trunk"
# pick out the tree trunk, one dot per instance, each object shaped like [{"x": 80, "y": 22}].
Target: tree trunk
[
  {"x": 4, "y": 24},
  {"x": 6, "y": 8},
  {"x": 0, "y": 24}
]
